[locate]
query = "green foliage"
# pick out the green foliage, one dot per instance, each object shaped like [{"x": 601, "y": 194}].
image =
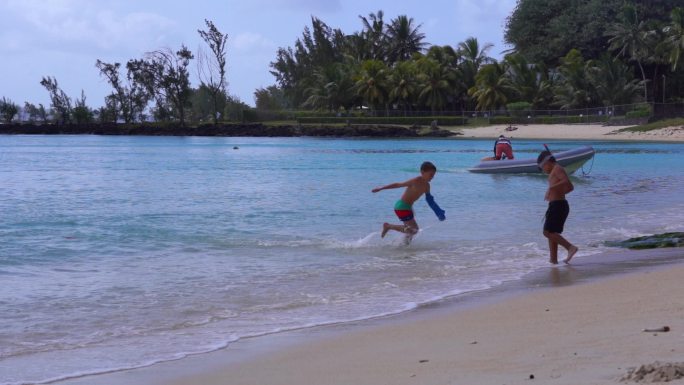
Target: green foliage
[
  {"x": 573, "y": 88},
  {"x": 545, "y": 30},
  {"x": 212, "y": 68},
  {"x": 81, "y": 113},
  {"x": 129, "y": 98},
  {"x": 34, "y": 113},
  {"x": 372, "y": 83},
  {"x": 492, "y": 87},
  {"x": 165, "y": 75},
  {"x": 530, "y": 82},
  {"x": 570, "y": 119},
  {"x": 205, "y": 102},
  {"x": 656, "y": 125},
  {"x": 436, "y": 82},
  {"x": 643, "y": 111},
  {"x": 519, "y": 109},
  {"x": 403, "y": 39},
  {"x": 409, "y": 121},
  {"x": 61, "y": 103},
  {"x": 236, "y": 110},
  {"x": 8, "y": 110},
  {"x": 518, "y": 106},
  {"x": 613, "y": 81},
  {"x": 674, "y": 37},
  {"x": 270, "y": 98},
  {"x": 638, "y": 114}
]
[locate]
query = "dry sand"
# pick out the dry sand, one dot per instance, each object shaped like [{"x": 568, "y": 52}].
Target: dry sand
[
  {"x": 580, "y": 334},
  {"x": 574, "y": 131}
]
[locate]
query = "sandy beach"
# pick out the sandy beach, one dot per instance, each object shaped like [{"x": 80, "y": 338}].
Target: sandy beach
[
  {"x": 573, "y": 333},
  {"x": 583, "y": 334},
  {"x": 575, "y": 131}
]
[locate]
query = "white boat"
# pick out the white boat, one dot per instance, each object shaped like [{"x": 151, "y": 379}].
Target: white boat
[{"x": 571, "y": 160}]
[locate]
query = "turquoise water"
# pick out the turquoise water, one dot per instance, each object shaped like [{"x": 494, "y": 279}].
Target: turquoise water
[{"x": 119, "y": 252}]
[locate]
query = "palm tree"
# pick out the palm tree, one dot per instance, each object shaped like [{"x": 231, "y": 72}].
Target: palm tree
[
  {"x": 674, "y": 37},
  {"x": 573, "y": 89},
  {"x": 491, "y": 87},
  {"x": 445, "y": 55},
  {"x": 629, "y": 39},
  {"x": 471, "y": 52},
  {"x": 403, "y": 39},
  {"x": 450, "y": 59},
  {"x": 331, "y": 88},
  {"x": 473, "y": 58},
  {"x": 371, "y": 83},
  {"x": 435, "y": 84},
  {"x": 403, "y": 83},
  {"x": 613, "y": 81},
  {"x": 529, "y": 81},
  {"x": 374, "y": 36}
]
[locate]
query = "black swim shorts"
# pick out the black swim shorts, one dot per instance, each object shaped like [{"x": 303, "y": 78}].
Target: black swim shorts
[{"x": 556, "y": 215}]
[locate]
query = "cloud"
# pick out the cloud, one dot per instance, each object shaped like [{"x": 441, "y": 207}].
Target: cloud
[
  {"x": 311, "y": 6},
  {"x": 247, "y": 41},
  {"x": 79, "y": 26}
]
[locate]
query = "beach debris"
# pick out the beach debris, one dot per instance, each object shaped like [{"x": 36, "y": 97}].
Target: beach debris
[
  {"x": 423, "y": 361},
  {"x": 663, "y": 329},
  {"x": 655, "y": 372},
  {"x": 474, "y": 343},
  {"x": 531, "y": 376}
]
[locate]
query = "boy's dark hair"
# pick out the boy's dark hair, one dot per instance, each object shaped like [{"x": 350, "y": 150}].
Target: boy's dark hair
[
  {"x": 543, "y": 156},
  {"x": 427, "y": 166}
]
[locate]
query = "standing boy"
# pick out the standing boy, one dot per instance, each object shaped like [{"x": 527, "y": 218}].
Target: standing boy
[
  {"x": 557, "y": 213},
  {"x": 403, "y": 208}
]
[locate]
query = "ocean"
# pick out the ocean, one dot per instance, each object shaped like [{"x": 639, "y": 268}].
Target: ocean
[{"x": 121, "y": 252}]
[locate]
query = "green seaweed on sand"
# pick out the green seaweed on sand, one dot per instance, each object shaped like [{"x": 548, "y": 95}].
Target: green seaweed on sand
[{"x": 651, "y": 241}]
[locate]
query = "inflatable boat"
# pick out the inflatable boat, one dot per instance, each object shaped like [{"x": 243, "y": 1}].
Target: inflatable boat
[{"x": 571, "y": 160}]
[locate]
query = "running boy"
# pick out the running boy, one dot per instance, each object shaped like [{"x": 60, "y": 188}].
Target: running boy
[
  {"x": 557, "y": 213},
  {"x": 415, "y": 188}
]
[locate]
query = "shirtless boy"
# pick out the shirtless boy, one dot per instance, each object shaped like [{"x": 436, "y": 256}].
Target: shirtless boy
[
  {"x": 403, "y": 208},
  {"x": 557, "y": 213}
]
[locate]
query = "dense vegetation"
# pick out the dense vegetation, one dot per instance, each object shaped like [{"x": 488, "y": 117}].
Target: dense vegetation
[{"x": 566, "y": 55}]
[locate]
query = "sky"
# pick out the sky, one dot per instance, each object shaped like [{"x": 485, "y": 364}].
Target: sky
[{"x": 64, "y": 38}]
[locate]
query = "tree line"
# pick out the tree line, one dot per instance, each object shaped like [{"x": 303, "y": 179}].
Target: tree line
[
  {"x": 565, "y": 55},
  {"x": 156, "y": 87}
]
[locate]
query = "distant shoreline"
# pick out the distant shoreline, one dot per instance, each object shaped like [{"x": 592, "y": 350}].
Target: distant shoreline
[
  {"x": 587, "y": 132},
  {"x": 228, "y": 130},
  {"x": 595, "y": 132}
]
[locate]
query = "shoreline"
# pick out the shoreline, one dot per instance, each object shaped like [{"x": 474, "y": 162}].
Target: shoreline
[
  {"x": 533, "y": 131},
  {"x": 386, "y": 349},
  {"x": 574, "y": 132}
]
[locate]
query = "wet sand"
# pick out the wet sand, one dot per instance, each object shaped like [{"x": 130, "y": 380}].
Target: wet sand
[{"x": 577, "y": 324}]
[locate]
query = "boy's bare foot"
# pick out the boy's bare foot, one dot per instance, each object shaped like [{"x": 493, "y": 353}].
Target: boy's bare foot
[
  {"x": 553, "y": 262},
  {"x": 571, "y": 253},
  {"x": 385, "y": 229}
]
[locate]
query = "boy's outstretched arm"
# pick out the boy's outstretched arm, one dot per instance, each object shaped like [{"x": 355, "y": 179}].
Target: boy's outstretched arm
[{"x": 393, "y": 185}]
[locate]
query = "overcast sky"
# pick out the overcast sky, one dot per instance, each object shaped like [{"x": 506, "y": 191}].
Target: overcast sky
[{"x": 64, "y": 38}]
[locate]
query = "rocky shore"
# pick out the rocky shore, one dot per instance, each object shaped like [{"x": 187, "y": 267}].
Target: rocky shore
[{"x": 247, "y": 129}]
